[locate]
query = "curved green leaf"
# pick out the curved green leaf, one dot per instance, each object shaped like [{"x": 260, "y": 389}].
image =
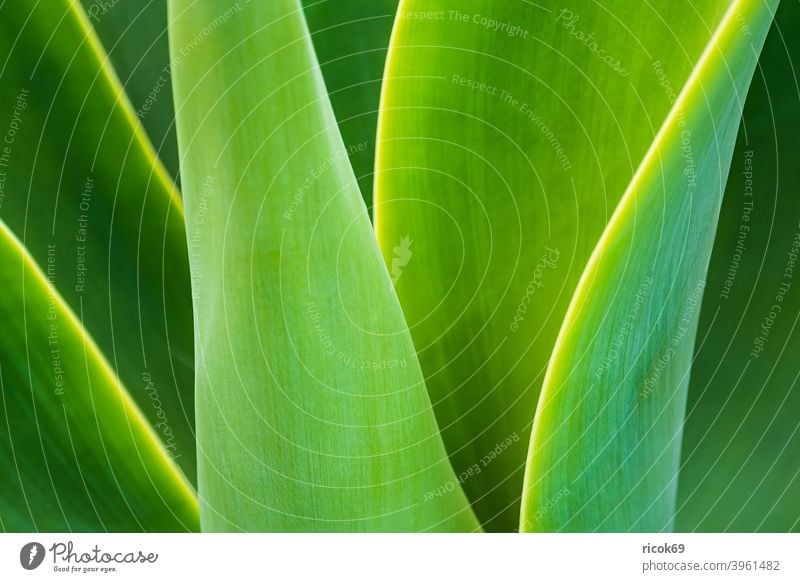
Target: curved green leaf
[
  {"x": 741, "y": 459},
  {"x": 312, "y": 413},
  {"x": 605, "y": 447},
  {"x": 508, "y": 133},
  {"x": 78, "y": 173},
  {"x": 351, "y": 40},
  {"x": 76, "y": 454}
]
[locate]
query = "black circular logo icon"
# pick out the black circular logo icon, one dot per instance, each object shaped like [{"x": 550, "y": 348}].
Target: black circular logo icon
[{"x": 31, "y": 555}]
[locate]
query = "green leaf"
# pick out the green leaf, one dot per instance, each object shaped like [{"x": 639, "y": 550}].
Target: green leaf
[
  {"x": 741, "y": 455},
  {"x": 79, "y": 173},
  {"x": 134, "y": 34},
  {"x": 76, "y": 454},
  {"x": 351, "y": 40},
  {"x": 312, "y": 413},
  {"x": 605, "y": 447},
  {"x": 508, "y": 133}
]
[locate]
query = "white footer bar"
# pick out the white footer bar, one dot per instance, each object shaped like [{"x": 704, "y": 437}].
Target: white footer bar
[{"x": 390, "y": 557}]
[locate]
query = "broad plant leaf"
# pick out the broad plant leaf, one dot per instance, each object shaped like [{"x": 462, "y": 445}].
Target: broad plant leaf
[
  {"x": 312, "y": 413},
  {"x": 134, "y": 34},
  {"x": 79, "y": 175},
  {"x": 605, "y": 447},
  {"x": 351, "y": 40},
  {"x": 741, "y": 458},
  {"x": 508, "y": 133},
  {"x": 76, "y": 454}
]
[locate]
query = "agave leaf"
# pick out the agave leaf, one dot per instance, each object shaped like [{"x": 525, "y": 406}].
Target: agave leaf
[
  {"x": 605, "y": 447},
  {"x": 134, "y": 34},
  {"x": 312, "y": 413},
  {"x": 351, "y": 40},
  {"x": 508, "y": 133},
  {"x": 76, "y": 453},
  {"x": 79, "y": 173},
  {"x": 741, "y": 456}
]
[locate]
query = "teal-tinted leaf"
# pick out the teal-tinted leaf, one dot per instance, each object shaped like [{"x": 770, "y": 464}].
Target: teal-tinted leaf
[
  {"x": 75, "y": 453},
  {"x": 509, "y": 132},
  {"x": 312, "y": 413},
  {"x": 351, "y": 38},
  {"x": 78, "y": 173},
  {"x": 605, "y": 447},
  {"x": 134, "y": 34},
  {"x": 741, "y": 465}
]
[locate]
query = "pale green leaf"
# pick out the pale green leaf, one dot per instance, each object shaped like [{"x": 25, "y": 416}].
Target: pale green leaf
[{"x": 312, "y": 413}]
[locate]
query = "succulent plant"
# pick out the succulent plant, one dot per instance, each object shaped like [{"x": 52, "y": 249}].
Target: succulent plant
[{"x": 355, "y": 265}]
